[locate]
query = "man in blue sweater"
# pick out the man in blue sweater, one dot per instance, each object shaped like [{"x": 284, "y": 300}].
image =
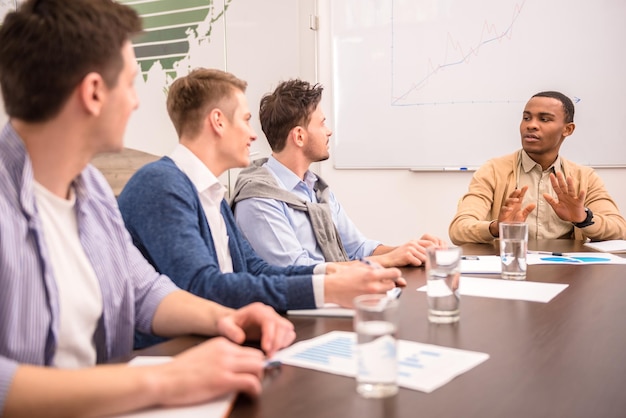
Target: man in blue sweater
[{"x": 176, "y": 213}]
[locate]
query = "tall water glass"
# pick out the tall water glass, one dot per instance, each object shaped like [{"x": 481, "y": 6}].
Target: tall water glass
[
  {"x": 513, "y": 249},
  {"x": 443, "y": 271},
  {"x": 376, "y": 324}
]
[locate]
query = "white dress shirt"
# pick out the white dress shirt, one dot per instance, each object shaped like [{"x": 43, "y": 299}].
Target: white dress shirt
[{"x": 211, "y": 193}]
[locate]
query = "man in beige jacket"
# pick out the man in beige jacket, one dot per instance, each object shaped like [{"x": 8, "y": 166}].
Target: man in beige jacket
[{"x": 558, "y": 198}]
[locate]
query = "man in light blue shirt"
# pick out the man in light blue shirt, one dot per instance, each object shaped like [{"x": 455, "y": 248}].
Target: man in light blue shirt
[
  {"x": 286, "y": 212},
  {"x": 182, "y": 224}
]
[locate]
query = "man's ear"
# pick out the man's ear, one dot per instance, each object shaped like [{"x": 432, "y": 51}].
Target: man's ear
[
  {"x": 92, "y": 93},
  {"x": 297, "y": 136},
  {"x": 569, "y": 129},
  {"x": 215, "y": 119}
]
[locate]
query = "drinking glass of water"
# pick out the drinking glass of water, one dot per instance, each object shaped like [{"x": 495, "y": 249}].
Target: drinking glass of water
[
  {"x": 376, "y": 324},
  {"x": 513, "y": 249},
  {"x": 443, "y": 272}
]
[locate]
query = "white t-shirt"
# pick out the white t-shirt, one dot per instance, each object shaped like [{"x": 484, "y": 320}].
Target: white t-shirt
[{"x": 80, "y": 299}]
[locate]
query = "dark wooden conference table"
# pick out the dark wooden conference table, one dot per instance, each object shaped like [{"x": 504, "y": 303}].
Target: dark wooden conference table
[{"x": 565, "y": 358}]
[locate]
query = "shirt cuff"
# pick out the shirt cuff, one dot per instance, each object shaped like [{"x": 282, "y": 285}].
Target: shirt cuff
[
  {"x": 318, "y": 290},
  {"x": 320, "y": 268},
  {"x": 8, "y": 368},
  {"x": 485, "y": 233}
]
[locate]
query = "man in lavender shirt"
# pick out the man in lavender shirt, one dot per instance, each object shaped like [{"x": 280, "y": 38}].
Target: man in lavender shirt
[{"x": 73, "y": 288}]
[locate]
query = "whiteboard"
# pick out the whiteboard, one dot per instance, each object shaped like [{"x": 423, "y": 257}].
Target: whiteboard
[{"x": 442, "y": 83}]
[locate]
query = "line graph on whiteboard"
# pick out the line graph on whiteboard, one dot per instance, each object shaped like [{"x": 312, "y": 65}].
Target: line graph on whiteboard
[
  {"x": 450, "y": 42},
  {"x": 456, "y": 43}
]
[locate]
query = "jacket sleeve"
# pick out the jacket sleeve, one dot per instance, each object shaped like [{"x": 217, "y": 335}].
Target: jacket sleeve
[
  {"x": 608, "y": 222},
  {"x": 473, "y": 216}
]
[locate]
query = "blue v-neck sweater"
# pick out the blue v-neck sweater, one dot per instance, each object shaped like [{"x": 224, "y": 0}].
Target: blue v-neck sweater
[{"x": 162, "y": 210}]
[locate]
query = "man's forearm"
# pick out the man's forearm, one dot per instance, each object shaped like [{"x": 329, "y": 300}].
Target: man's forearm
[
  {"x": 182, "y": 313},
  {"x": 96, "y": 391}
]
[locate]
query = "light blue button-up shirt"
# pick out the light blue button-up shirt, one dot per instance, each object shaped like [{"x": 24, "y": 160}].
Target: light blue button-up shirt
[
  {"x": 29, "y": 300},
  {"x": 285, "y": 236}
]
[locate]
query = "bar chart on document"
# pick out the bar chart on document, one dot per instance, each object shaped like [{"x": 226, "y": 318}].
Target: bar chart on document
[
  {"x": 444, "y": 82},
  {"x": 422, "y": 367}
]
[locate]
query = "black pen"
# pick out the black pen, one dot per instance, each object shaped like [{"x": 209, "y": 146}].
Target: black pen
[
  {"x": 272, "y": 364},
  {"x": 546, "y": 253},
  {"x": 375, "y": 265},
  {"x": 372, "y": 264},
  {"x": 469, "y": 257}
]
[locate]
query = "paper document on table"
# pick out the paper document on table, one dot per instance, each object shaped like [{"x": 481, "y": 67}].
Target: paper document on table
[
  {"x": 217, "y": 408},
  {"x": 573, "y": 258},
  {"x": 481, "y": 264},
  {"x": 610, "y": 246},
  {"x": 329, "y": 309},
  {"x": 422, "y": 367},
  {"x": 508, "y": 289}
]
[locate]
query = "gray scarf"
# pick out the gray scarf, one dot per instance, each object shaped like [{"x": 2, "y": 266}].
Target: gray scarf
[{"x": 257, "y": 182}]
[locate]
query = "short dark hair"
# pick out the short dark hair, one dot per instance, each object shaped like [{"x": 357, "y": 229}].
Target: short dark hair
[
  {"x": 192, "y": 97},
  {"x": 290, "y": 105},
  {"x": 48, "y": 46},
  {"x": 568, "y": 105}
]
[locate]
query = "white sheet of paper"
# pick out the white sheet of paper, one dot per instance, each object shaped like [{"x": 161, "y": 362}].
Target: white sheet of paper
[
  {"x": 610, "y": 246},
  {"x": 575, "y": 258},
  {"x": 481, "y": 264},
  {"x": 422, "y": 367},
  {"x": 508, "y": 289},
  {"x": 329, "y": 309},
  {"x": 217, "y": 408}
]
